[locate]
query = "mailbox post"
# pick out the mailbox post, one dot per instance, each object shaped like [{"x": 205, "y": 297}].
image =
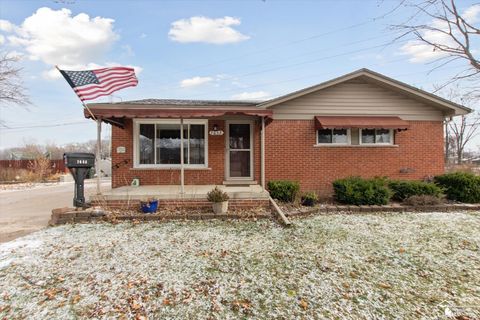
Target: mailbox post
[{"x": 79, "y": 165}]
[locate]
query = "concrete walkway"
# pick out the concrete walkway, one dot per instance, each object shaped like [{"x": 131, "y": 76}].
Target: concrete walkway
[{"x": 25, "y": 211}]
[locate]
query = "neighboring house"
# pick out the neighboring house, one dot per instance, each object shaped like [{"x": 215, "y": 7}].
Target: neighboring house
[{"x": 361, "y": 124}]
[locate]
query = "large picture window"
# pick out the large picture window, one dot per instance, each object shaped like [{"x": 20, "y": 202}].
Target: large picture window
[{"x": 158, "y": 143}]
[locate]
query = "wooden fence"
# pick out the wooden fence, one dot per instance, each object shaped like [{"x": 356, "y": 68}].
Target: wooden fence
[{"x": 56, "y": 165}]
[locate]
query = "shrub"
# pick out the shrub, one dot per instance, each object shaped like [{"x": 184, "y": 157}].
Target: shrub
[
  {"x": 422, "y": 200},
  {"x": 309, "y": 199},
  {"x": 358, "y": 191},
  {"x": 460, "y": 186},
  {"x": 283, "y": 190},
  {"x": 13, "y": 174},
  {"x": 40, "y": 168},
  {"x": 217, "y": 195},
  {"x": 405, "y": 189}
]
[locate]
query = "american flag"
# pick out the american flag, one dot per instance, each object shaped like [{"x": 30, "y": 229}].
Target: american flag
[{"x": 91, "y": 84}]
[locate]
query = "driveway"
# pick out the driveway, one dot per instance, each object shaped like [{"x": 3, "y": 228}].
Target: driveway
[{"x": 28, "y": 210}]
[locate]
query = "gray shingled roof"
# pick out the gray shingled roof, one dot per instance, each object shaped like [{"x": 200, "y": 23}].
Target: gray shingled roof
[{"x": 182, "y": 102}]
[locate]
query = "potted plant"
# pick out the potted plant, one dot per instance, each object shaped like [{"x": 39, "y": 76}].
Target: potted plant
[
  {"x": 149, "y": 206},
  {"x": 309, "y": 199},
  {"x": 219, "y": 199}
]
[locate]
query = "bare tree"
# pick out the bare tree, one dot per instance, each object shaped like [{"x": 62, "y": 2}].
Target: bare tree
[
  {"x": 11, "y": 86},
  {"x": 440, "y": 25},
  {"x": 463, "y": 131}
]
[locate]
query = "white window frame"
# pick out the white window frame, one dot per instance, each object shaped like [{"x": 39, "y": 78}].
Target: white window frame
[
  {"x": 136, "y": 149},
  {"x": 349, "y": 139},
  {"x": 375, "y": 143}
]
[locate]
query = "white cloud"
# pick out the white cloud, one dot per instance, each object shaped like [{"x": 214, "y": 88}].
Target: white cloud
[
  {"x": 255, "y": 95},
  {"x": 195, "y": 82},
  {"x": 472, "y": 14},
  {"x": 55, "y": 37},
  {"x": 2, "y": 39},
  {"x": 203, "y": 29},
  {"x": 6, "y": 26},
  {"x": 58, "y": 38},
  {"x": 422, "y": 52},
  {"x": 128, "y": 51}
]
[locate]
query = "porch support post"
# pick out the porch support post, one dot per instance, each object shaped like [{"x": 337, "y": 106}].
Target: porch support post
[
  {"x": 262, "y": 153},
  {"x": 182, "y": 169},
  {"x": 99, "y": 150}
]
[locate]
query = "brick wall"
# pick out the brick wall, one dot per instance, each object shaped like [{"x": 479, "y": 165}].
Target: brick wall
[
  {"x": 122, "y": 164},
  {"x": 290, "y": 154}
]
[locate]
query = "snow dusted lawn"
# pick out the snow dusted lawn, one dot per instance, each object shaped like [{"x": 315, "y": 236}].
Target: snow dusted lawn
[{"x": 417, "y": 265}]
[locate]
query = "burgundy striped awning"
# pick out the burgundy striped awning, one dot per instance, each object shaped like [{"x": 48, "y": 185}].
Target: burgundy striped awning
[
  {"x": 116, "y": 115},
  {"x": 345, "y": 122}
]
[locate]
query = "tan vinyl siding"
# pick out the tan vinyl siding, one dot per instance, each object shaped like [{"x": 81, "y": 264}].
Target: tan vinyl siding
[{"x": 356, "y": 98}]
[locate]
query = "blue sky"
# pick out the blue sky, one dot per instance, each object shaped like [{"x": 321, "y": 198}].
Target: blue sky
[{"x": 198, "y": 50}]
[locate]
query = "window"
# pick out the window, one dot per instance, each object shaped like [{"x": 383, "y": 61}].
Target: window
[
  {"x": 333, "y": 136},
  {"x": 158, "y": 143},
  {"x": 376, "y": 136}
]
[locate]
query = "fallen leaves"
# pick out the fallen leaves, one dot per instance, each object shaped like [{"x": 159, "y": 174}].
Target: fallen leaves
[
  {"x": 303, "y": 304},
  {"x": 384, "y": 285},
  {"x": 76, "y": 298},
  {"x": 243, "y": 305},
  {"x": 50, "y": 293},
  {"x": 223, "y": 270}
]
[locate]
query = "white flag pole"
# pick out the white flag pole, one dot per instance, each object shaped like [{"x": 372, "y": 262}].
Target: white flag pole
[{"x": 182, "y": 169}]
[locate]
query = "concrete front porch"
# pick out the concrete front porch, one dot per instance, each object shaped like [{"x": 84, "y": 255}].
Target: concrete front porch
[{"x": 195, "y": 196}]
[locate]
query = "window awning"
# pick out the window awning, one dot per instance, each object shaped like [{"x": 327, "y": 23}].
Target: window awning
[
  {"x": 345, "y": 122},
  {"x": 116, "y": 115}
]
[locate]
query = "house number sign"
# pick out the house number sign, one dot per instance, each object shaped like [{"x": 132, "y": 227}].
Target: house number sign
[{"x": 216, "y": 132}]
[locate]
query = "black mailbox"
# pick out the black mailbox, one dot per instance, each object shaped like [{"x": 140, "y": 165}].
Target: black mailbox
[{"x": 79, "y": 165}]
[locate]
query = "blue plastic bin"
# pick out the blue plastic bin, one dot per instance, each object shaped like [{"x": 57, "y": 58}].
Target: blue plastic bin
[{"x": 150, "y": 206}]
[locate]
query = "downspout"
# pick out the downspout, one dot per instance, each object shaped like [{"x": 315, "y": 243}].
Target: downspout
[
  {"x": 99, "y": 150},
  {"x": 182, "y": 169}
]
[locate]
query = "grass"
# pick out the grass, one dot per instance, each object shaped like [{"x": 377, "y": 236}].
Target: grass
[{"x": 409, "y": 266}]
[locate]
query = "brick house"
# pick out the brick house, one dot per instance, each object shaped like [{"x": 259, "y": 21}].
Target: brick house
[{"x": 360, "y": 124}]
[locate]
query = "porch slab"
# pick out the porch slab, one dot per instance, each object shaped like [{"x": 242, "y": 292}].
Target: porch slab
[{"x": 173, "y": 192}]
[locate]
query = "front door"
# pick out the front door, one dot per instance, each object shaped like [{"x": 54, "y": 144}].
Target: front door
[{"x": 239, "y": 150}]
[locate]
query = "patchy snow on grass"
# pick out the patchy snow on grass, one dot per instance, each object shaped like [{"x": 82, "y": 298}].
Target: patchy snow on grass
[
  {"x": 415, "y": 265},
  {"x": 6, "y": 249}
]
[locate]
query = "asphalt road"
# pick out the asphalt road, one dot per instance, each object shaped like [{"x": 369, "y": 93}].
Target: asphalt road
[{"x": 25, "y": 211}]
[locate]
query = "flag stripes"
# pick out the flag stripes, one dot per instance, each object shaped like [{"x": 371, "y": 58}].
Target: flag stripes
[{"x": 91, "y": 84}]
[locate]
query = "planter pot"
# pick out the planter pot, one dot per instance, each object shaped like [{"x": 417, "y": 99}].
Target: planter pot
[
  {"x": 220, "y": 207},
  {"x": 149, "y": 207}
]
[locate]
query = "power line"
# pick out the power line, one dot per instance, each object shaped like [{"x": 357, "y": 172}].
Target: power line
[
  {"x": 46, "y": 126},
  {"x": 305, "y": 77},
  {"x": 288, "y": 43}
]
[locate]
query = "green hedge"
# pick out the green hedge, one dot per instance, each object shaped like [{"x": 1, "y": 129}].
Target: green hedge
[
  {"x": 358, "y": 191},
  {"x": 460, "y": 186},
  {"x": 403, "y": 189},
  {"x": 283, "y": 190}
]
